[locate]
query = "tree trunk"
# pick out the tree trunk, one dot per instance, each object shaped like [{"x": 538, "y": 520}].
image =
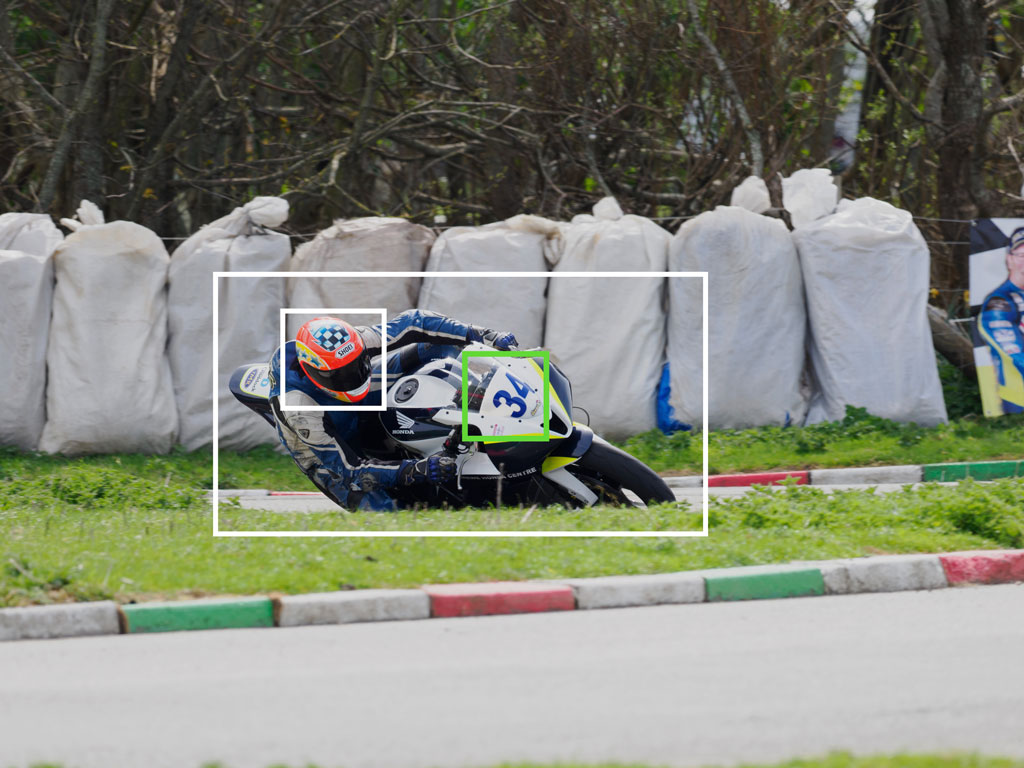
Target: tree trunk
[{"x": 950, "y": 342}]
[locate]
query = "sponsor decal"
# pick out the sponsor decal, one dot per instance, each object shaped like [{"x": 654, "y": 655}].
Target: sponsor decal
[
  {"x": 1003, "y": 335},
  {"x": 1001, "y": 324},
  {"x": 524, "y": 473},
  {"x": 1019, "y": 301},
  {"x": 497, "y": 429},
  {"x": 536, "y": 407},
  {"x": 256, "y": 381},
  {"x": 1011, "y": 349},
  {"x": 404, "y": 421},
  {"x": 345, "y": 350}
]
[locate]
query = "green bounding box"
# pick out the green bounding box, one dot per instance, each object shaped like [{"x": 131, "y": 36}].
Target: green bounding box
[
  {"x": 764, "y": 586},
  {"x": 544, "y": 436},
  {"x": 978, "y": 470},
  {"x": 199, "y": 614}
]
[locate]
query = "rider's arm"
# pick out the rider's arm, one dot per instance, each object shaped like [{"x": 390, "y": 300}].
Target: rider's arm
[{"x": 417, "y": 326}]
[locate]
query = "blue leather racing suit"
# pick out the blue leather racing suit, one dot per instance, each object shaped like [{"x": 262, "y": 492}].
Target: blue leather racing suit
[
  {"x": 1001, "y": 324},
  {"x": 328, "y": 445}
]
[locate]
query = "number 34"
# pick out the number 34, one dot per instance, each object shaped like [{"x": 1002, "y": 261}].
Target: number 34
[{"x": 503, "y": 397}]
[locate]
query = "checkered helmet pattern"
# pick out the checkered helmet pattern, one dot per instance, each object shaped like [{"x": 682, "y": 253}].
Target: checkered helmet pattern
[{"x": 330, "y": 335}]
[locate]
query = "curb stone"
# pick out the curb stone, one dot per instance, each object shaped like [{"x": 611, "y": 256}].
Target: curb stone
[
  {"x": 978, "y": 470},
  {"x": 885, "y": 573},
  {"x": 907, "y": 473},
  {"x": 206, "y": 613},
  {"x": 351, "y": 606},
  {"x": 902, "y": 473},
  {"x": 881, "y": 573},
  {"x": 629, "y": 591},
  {"x": 67, "y": 620},
  {"x": 499, "y": 597},
  {"x": 984, "y": 567}
]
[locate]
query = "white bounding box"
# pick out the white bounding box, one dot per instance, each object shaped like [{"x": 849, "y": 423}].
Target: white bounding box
[{"x": 339, "y": 312}]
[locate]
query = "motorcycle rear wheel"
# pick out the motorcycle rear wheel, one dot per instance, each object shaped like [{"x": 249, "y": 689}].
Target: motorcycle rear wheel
[{"x": 608, "y": 471}]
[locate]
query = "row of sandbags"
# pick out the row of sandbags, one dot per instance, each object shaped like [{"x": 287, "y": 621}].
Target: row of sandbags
[
  {"x": 110, "y": 385},
  {"x": 803, "y": 323}
]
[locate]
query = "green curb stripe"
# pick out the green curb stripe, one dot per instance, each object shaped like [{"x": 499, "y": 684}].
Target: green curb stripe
[
  {"x": 220, "y": 614},
  {"x": 765, "y": 585},
  {"x": 980, "y": 470}
]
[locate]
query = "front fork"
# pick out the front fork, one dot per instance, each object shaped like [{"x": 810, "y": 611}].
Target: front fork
[{"x": 565, "y": 452}]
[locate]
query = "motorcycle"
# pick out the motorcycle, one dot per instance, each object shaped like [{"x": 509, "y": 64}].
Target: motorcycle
[{"x": 513, "y": 438}]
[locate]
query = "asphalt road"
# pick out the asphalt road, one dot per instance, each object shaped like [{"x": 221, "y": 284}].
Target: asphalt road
[{"x": 708, "y": 684}]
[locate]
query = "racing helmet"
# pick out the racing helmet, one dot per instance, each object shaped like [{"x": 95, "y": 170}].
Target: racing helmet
[{"x": 333, "y": 356}]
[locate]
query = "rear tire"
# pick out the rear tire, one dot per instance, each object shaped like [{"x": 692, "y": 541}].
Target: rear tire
[{"x": 607, "y": 471}]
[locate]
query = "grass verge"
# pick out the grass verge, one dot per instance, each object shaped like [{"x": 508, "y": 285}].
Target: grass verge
[
  {"x": 858, "y": 440},
  {"x": 92, "y": 533}
]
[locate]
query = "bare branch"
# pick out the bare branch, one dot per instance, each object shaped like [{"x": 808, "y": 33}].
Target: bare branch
[
  {"x": 44, "y": 94},
  {"x": 855, "y": 39},
  {"x": 753, "y": 136}
]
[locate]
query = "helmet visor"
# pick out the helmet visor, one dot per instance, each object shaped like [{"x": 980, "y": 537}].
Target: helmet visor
[{"x": 348, "y": 378}]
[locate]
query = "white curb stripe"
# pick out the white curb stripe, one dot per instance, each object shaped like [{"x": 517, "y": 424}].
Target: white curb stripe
[
  {"x": 351, "y": 606},
  {"x": 884, "y": 573},
  {"x": 627, "y": 591},
  {"x": 907, "y": 473},
  {"x": 68, "y": 620}
]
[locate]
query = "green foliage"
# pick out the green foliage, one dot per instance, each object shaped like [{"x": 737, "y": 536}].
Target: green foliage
[
  {"x": 960, "y": 392},
  {"x": 90, "y": 487},
  {"x": 994, "y": 512},
  {"x": 23, "y": 584}
]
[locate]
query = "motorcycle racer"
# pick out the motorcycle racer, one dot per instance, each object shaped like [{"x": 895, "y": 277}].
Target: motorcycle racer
[{"x": 329, "y": 363}]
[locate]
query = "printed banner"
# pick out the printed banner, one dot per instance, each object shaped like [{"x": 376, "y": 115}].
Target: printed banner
[{"x": 997, "y": 305}]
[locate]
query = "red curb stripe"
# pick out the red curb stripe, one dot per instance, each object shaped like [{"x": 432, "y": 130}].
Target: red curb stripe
[
  {"x": 758, "y": 478},
  {"x": 984, "y": 567},
  {"x": 501, "y": 597}
]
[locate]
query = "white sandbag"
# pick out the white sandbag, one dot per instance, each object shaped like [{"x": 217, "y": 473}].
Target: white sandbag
[
  {"x": 608, "y": 334},
  {"x": 27, "y": 242},
  {"x": 33, "y": 233},
  {"x": 756, "y": 322},
  {"x": 865, "y": 272},
  {"x": 26, "y": 293},
  {"x": 373, "y": 244},
  {"x": 808, "y": 195},
  {"x": 507, "y": 303},
  {"x": 249, "y": 319},
  {"x": 751, "y": 194},
  {"x": 109, "y": 386}
]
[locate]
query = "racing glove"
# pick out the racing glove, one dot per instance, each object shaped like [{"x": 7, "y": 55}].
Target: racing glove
[
  {"x": 503, "y": 340},
  {"x": 433, "y": 469}
]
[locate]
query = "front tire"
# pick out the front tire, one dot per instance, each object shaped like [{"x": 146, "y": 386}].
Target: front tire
[{"x": 607, "y": 471}]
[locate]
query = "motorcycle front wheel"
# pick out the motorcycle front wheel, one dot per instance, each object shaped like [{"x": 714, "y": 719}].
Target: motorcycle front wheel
[{"x": 608, "y": 472}]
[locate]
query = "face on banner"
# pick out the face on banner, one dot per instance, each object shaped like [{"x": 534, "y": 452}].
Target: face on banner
[
  {"x": 1015, "y": 266},
  {"x": 997, "y": 305}
]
